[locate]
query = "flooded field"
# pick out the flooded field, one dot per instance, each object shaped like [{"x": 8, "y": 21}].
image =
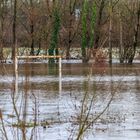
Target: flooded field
[{"x": 103, "y": 101}]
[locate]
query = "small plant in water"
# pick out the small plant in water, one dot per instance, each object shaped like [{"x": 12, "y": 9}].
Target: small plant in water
[{"x": 100, "y": 56}]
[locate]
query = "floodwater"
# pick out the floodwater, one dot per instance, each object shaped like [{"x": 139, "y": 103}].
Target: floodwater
[{"x": 55, "y": 102}]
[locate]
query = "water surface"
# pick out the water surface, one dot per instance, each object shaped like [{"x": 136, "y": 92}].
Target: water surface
[{"x": 39, "y": 96}]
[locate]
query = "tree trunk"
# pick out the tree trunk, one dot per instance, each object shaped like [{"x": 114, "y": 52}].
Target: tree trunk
[
  {"x": 32, "y": 30},
  {"x": 1, "y": 52},
  {"x": 135, "y": 38},
  {"x": 1, "y": 35},
  {"x": 110, "y": 32},
  {"x": 71, "y": 35},
  {"x": 69, "y": 32},
  {"x": 32, "y": 38},
  {"x": 98, "y": 24},
  {"x": 121, "y": 52},
  {"x": 14, "y": 29}
]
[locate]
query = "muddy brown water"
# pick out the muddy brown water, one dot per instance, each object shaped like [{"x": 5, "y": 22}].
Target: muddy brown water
[{"x": 39, "y": 97}]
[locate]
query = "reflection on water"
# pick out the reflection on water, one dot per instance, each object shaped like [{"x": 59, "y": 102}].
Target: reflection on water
[{"x": 54, "y": 106}]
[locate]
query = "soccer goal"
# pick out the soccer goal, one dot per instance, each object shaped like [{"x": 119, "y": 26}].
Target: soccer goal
[{"x": 38, "y": 56}]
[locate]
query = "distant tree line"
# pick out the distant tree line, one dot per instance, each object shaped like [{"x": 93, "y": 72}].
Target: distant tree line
[{"x": 87, "y": 24}]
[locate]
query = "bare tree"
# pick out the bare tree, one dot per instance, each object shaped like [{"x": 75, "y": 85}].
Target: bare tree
[
  {"x": 110, "y": 30},
  {"x": 136, "y": 33},
  {"x": 2, "y": 19},
  {"x": 71, "y": 26},
  {"x": 129, "y": 30},
  {"x": 101, "y": 5},
  {"x": 14, "y": 28}
]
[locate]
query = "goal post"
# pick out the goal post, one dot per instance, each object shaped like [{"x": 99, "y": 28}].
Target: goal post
[{"x": 39, "y": 56}]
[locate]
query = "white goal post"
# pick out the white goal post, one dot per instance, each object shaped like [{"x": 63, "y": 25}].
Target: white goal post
[{"x": 39, "y": 56}]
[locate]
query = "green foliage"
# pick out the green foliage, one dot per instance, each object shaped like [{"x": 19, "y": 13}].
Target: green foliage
[
  {"x": 84, "y": 27},
  {"x": 54, "y": 35},
  {"x": 93, "y": 20},
  {"x": 85, "y": 42}
]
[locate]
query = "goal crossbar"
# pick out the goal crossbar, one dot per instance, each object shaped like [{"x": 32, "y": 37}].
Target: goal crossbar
[{"x": 40, "y": 56}]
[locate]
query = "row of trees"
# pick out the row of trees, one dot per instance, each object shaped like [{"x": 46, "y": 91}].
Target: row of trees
[{"x": 88, "y": 24}]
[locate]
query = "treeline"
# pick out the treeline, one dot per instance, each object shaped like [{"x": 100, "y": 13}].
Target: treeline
[{"x": 86, "y": 24}]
